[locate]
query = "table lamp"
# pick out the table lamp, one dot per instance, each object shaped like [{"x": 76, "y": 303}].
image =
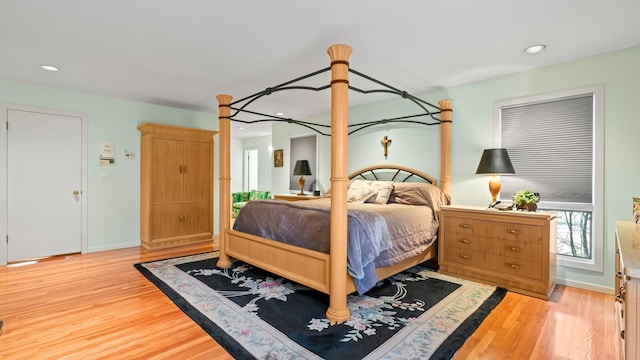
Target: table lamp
[
  {"x": 302, "y": 168},
  {"x": 495, "y": 162}
]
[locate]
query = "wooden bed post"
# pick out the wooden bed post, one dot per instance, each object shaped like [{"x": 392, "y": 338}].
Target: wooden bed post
[
  {"x": 445, "y": 145},
  {"x": 224, "y": 110},
  {"x": 338, "y": 311}
]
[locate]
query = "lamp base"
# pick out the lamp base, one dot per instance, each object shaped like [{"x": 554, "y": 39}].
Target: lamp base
[
  {"x": 301, "y": 182},
  {"x": 494, "y": 187}
]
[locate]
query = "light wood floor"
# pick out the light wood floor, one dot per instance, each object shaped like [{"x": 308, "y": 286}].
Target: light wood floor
[{"x": 98, "y": 305}]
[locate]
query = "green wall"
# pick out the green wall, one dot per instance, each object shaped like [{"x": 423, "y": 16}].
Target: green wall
[
  {"x": 472, "y": 131},
  {"x": 113, "y": 205},
  {"x": 619, "y": 74}
]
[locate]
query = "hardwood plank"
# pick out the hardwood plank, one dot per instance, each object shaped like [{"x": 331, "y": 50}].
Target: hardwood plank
[
  {"x": 94, "y": 306},
  {"x": 98, "y": 306},
  {"x": 571, "y": 325}
]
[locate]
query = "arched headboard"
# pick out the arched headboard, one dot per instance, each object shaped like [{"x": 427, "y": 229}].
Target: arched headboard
[{"x": 396, "y": 173}]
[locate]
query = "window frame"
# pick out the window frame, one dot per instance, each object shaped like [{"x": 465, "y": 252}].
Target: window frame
[{"x": 596, "y": 263}]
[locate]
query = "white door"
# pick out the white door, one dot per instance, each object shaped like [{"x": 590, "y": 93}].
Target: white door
[
  {"x": 250, "y": 170},
  {"x": 44, "y": 179}
]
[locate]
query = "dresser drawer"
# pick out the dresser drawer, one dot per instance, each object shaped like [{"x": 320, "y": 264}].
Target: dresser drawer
[
  {"x": 465, "y": 257},
  {"x": 518, "y": 232},
  {"x": 504, "y": 265},
  {"x": 520, "y": 250},
  {"x": 471, "y": 242},
  {"x": 494, "y": 229},
  {"x": 457, "y": 225},
  {"x": 515, "y": 267},
  {"x": 511, "y": 248}
]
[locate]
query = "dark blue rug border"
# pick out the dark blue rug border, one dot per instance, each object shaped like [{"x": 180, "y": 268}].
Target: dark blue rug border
[
  {"x": 446, "y": 350},
  {"x": 455, "y": 341}
]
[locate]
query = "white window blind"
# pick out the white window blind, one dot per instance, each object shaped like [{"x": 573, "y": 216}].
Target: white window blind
[{"x": 551, "y": 146}]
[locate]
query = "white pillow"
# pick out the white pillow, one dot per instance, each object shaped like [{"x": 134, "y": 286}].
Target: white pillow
[
  {"x": 360, "y": 191},
  {"x": 376, "y": 192},
  {"x": 383, "y": 190}
]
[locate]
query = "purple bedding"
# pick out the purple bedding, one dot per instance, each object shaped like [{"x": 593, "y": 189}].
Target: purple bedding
[{"x": 378, "y": 235}]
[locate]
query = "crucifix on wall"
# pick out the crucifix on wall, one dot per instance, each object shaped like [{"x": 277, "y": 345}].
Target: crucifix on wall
[{"x": 385, "y": 143}]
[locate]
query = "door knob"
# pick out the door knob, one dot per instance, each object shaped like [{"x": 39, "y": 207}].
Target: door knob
[{"x": 76, "y": 192}]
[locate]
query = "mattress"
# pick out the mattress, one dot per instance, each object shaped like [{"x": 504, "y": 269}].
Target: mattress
[{"x": 378, "y": 235}]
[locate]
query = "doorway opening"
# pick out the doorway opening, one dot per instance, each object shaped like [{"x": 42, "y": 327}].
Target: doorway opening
[{"x": 250, "y": 181}]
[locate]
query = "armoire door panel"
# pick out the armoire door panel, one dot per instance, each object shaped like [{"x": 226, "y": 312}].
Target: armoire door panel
[
  {"x": 197, "y": 165},
  {"x": 168, "y": 220},
  {"x": 167, "y": 170},
  {"x": 199, "y": 217}
]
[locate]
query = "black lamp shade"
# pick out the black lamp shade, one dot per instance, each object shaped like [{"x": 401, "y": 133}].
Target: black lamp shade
[
  {"x": 494, "y": 161},
  {"x": 302, "y": 168}
]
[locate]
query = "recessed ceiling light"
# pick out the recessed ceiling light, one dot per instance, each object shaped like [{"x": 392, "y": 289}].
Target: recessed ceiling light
[
  {"x": 240, "y": 128},
  {"x": 49, "y": 67},
  {"x": 535, "y": 49},
  {"x": 279, "y": 113}
]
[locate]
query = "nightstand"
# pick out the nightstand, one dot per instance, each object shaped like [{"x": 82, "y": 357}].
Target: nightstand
[
  {"x": 294, "y": 197},
  {"x": 511, "y": 249}
]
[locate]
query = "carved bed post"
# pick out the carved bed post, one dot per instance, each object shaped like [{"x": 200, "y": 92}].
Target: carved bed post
[
  {"x": 338, "y": 311},
  {"x": 224, "y": 167},
  {"x": 445, "y": 145}
]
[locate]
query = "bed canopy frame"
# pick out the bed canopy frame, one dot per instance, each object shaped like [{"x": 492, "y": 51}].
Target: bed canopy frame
[
  {"x": 337, "y": 278},
  {"x": 427, "y": 116}
]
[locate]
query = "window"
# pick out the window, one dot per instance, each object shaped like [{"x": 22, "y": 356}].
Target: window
[{"x": 555, "y": 144}]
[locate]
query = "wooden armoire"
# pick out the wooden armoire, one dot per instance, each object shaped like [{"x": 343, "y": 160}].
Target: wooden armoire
[{"x": 176, "y": 185}]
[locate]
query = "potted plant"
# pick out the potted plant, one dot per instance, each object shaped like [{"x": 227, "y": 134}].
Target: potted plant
[{"x": 526, "y": 200}]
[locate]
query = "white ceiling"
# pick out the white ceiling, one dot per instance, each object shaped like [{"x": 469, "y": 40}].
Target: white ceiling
[{"x": 184, "y": 53}]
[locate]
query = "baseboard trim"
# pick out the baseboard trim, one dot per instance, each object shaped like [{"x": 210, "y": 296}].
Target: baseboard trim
[
  {"x": 112, "y": 247},
  {"x": 585, "y": 286}
]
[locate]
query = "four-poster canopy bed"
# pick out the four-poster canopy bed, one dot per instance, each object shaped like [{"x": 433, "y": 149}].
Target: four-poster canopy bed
[{"x": 326, "y": 272}]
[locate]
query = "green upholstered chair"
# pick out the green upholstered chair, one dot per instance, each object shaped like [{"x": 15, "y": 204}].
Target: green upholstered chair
[{"x": 240, "y": 199}]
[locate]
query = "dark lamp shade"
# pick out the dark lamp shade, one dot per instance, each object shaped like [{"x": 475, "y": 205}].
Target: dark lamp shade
[
  {"x": 302, "y": 168},
  {"x": 495, "y": 161}
]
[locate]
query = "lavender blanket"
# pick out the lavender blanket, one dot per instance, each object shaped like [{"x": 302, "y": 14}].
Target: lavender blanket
[{"x": 306, "y": 224}]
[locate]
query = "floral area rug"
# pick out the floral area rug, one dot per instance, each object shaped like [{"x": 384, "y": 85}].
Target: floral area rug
[{"x": 417, "y": 314}]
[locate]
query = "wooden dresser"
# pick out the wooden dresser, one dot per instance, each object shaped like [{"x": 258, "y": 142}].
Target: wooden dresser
[
  {"x": 176, "y": 186},
  {"x": 628, "y": 288},
  {"x": 514, "y": 250}
]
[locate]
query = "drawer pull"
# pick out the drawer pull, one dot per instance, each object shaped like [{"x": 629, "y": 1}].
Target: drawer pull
[
  {"x": 622, "y": 334},
  {"x": 512, "y": 266},
  {"x": 464, "y": 256},
  {"x": 465, "y": 226},
  {"x": 512, "y": 231},
  {"x": 464, "y": 241},
  {"x": 512, "y": 248},
  {"x": 622, "y": 290}
]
